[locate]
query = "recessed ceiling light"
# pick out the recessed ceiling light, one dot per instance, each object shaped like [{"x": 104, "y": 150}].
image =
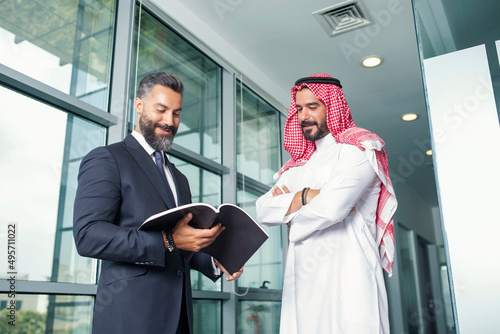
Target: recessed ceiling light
[
  {"x": 371, "y": 61},
  {"x": 409, "y": 117},
  {"x": 429, "y": 152}
]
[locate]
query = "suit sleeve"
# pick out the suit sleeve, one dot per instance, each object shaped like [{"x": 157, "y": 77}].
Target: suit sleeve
[
  {"x": 96, "y": 227},
  {"x": 203, "y": 263}
]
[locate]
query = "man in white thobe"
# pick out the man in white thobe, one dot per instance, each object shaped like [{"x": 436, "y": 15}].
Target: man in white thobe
[{"x": 336, "y": 195}]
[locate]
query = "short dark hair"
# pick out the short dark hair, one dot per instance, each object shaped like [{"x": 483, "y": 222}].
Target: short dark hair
[{"x": 159, "y": 78}]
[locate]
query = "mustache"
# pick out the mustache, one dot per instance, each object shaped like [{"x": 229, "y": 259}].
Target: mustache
[
  {"x": 165, "y": 127},
  {"x": 308, "y": 123}
]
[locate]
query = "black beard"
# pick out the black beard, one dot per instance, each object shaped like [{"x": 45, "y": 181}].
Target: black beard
[
  {"x": 313, "y": 136},
  {"x": 160, "y": 143}
]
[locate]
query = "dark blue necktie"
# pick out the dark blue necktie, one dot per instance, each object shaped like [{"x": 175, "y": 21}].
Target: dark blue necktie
[{"x": 159, "y": 164}]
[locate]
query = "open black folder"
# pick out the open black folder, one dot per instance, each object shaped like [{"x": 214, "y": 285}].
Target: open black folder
[{"x": 240, "y": 239}]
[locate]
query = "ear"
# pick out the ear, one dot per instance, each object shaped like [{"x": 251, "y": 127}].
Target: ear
[{"x": 138, "y": 104}]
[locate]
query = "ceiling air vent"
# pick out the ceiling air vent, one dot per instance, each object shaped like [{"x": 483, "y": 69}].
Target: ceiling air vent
[{"x": 343, "y": 17}]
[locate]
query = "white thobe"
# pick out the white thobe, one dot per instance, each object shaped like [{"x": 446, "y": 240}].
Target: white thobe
[{"x": 333, "y": 277}]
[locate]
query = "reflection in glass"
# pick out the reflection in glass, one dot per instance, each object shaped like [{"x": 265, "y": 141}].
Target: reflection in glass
[
  {"x": 41, "y": 151},
  {"x": 207, "y": 316},
  {"x": 161, "y": 49},
  {"x": 267, "y": 263},
  {"x": 432, "y": 304},
  {"x": 64, "y": 44},
  {"x": 258, "y": 136},
  {"x": 48, "y": 314},
  {"x": 409, "y": 296},
  {"x": 450, "y": 322},
  {"x": 259, "y": 317},
  {"x": 497, "y": 45}
]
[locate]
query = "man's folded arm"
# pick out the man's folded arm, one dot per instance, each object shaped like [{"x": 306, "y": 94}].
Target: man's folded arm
[
  {"x": 271, "y": 210},
  {"x": 352, "y": 176}
]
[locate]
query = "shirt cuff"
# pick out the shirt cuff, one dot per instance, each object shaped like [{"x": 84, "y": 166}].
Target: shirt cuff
[
  {"x": 288, "y": 218},
  {"x": 217, "y": 271}
]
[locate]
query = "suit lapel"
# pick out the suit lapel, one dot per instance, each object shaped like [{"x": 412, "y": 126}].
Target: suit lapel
[{"x": 149, "y": 168}]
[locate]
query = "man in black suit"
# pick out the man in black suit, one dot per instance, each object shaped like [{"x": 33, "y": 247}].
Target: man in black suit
[{"x": 144, "y": 285}]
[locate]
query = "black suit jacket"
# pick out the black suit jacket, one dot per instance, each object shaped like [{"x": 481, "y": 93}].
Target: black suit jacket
[{"x": 141, "y": 285}]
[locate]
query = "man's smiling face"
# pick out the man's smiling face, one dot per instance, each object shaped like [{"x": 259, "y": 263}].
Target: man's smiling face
[{"x": 312, "y": 115}]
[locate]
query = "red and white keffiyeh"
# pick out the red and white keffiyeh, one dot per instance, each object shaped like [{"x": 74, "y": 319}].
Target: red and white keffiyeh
[{"x": 343, "y": 129}]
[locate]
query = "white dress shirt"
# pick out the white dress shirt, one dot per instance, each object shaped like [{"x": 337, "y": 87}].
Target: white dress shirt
[{"x": 151, "y": 151}]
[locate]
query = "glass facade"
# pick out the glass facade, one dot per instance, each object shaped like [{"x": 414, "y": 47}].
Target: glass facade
[
  {"x": 42, "y": 173},
  {"x": 258, "y": 157},
  {"x": 64, "y": 44},
  {"x": 70, "y": 52},
  {"x": 258, "y": 150},
  {"x": 48, "y": 314}
]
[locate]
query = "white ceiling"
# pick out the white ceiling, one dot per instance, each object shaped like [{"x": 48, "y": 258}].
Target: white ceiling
[{"x": 273, "y": 43}]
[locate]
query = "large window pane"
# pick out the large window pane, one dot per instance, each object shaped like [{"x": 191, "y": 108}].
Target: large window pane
[
  {"x": 207, "y": 316},
  {"x": 205, "y": 186},
  {"x": 41, "y": 151},
  {"x": 64, "y": 44},
  {"x": 47, "y": 314},
  {"x": 161, "y": 49},
  {"x": 258, "y": 137},
  {"x": 259, "y": 317},
  {"x": 258, "y": 158}
]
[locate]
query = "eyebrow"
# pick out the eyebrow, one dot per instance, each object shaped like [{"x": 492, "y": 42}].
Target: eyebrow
[
  {"x": 165, "y": 106},
  {"x": 308, "y": 104}
]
